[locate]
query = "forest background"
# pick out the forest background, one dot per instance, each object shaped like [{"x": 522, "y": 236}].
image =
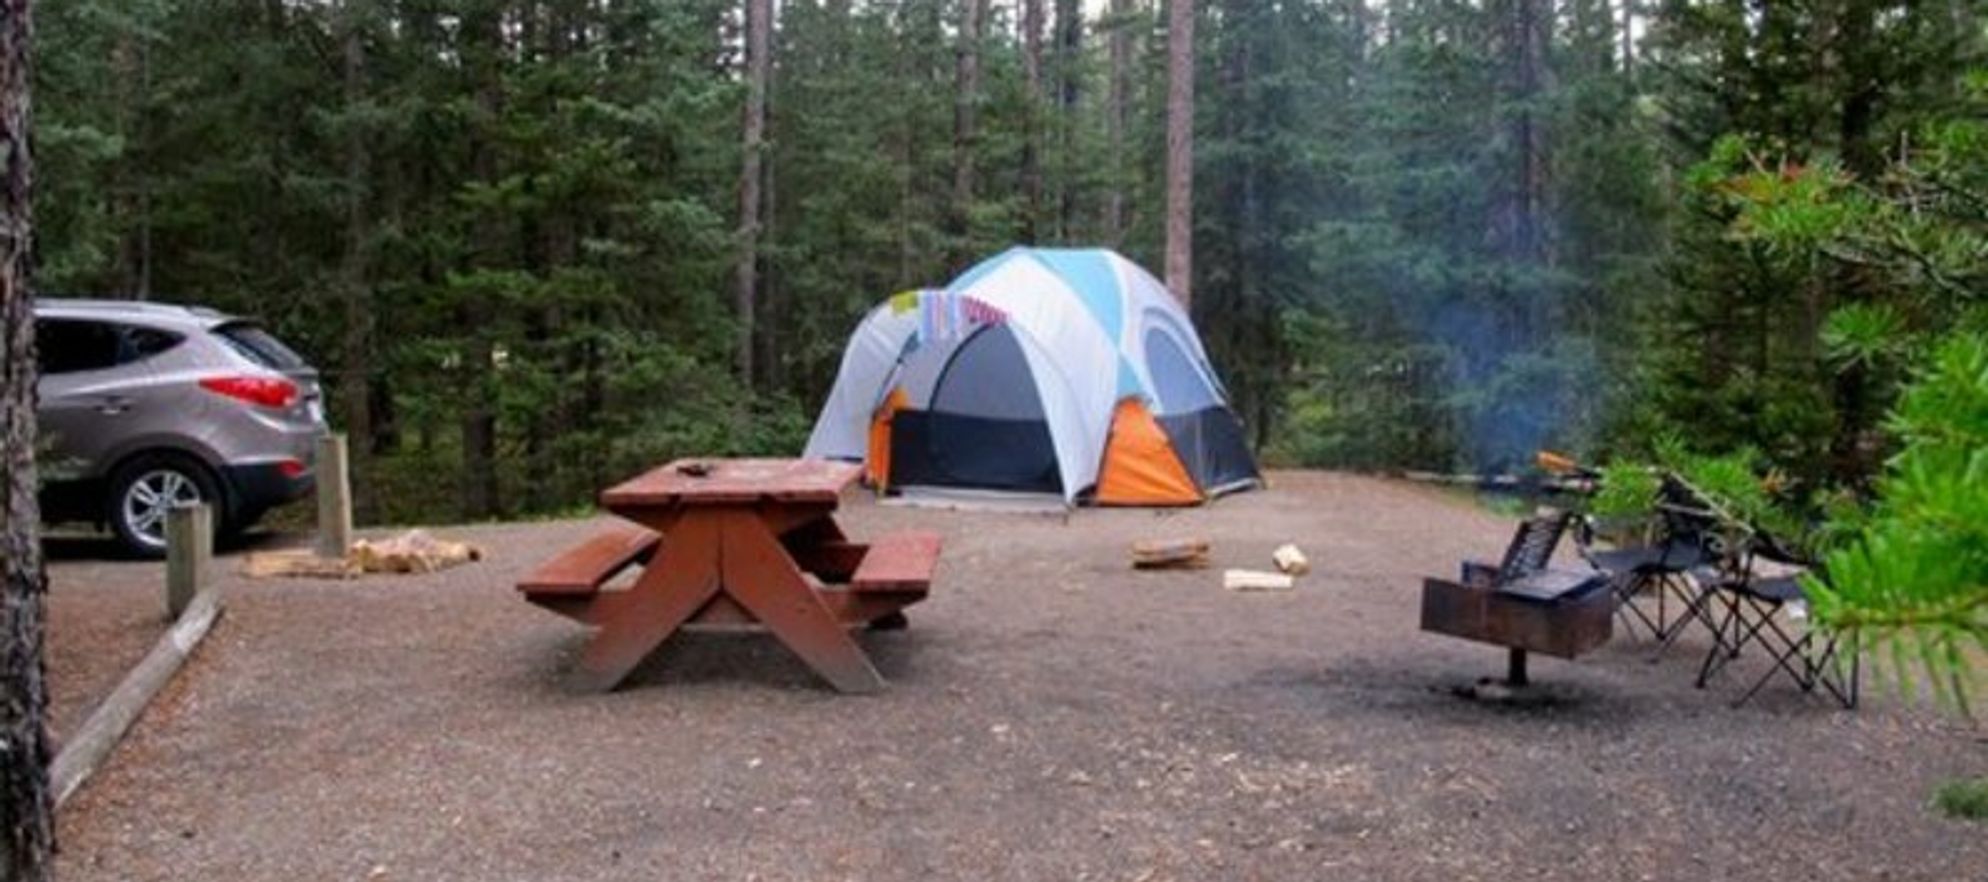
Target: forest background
[{"x": 538, "y": 245}]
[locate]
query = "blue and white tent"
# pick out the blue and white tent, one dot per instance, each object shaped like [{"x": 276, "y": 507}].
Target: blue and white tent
[{"x": 1070, "y": 371}]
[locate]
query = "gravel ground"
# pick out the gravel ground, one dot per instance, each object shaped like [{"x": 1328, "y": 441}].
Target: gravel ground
[
  {"x": 1052, "y": 715},
  {"x": 103, "y": 616}
]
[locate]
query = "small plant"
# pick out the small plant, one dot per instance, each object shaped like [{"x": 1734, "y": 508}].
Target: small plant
[{"x": 1965, "y": 799}]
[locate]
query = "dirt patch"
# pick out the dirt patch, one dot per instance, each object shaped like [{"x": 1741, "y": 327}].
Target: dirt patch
[{"x": 1052, "y": 715}]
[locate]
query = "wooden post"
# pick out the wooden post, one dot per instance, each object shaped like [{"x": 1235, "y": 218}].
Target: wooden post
[
  {"x": 334, "y": 498},
  {"x": 189, "y": 550}
]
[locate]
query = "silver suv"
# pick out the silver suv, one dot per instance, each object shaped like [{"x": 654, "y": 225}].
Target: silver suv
[{"x": 145, "y": 406}]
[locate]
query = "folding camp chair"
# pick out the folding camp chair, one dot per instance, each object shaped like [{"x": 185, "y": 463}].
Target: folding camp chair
[
  {"x": 1752, "y": 606},
  {"x": 1674, "y": 566}
]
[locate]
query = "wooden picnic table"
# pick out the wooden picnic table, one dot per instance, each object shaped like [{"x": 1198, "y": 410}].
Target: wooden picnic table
[{"x": 735, "y": 542}]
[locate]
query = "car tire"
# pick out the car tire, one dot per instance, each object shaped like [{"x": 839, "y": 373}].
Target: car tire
[{"x": 145, "y": 487}]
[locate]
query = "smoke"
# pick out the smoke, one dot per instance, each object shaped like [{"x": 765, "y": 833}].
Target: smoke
[{"x": 1513, "y": 385}]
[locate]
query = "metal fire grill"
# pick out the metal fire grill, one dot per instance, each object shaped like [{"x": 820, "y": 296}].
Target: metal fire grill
[{"x": 1521, "y": 604}]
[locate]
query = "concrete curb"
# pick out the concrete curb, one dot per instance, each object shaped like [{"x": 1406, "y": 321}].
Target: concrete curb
[{"x": 94, "y": 740}]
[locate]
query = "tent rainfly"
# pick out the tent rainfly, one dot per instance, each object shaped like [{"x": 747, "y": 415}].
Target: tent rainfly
[{"x": 1063, "y": 371}]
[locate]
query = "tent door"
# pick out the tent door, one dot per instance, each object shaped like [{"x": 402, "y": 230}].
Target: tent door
[{"x": 985, "y": 428}]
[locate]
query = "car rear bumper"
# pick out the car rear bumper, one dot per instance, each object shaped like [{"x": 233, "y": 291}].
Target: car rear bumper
[{"x": 258, "y": 487}]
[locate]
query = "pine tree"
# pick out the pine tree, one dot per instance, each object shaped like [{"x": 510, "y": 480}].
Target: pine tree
[{"x": 27, "y": 827}]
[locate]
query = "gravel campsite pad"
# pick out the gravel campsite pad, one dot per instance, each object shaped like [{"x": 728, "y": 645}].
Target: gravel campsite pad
[
  {"x": 1052, "y": 714},
  {"x": 104, "y": 614}
]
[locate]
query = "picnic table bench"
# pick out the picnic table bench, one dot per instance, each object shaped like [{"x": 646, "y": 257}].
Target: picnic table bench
[{"x": 745, "y": 542}]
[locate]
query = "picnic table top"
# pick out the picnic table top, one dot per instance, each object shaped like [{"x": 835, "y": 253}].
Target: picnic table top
[{"x": 734, "y": 481}]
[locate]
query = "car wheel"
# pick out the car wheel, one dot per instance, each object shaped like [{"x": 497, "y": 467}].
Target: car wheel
[{"x": 145, "y": 489}]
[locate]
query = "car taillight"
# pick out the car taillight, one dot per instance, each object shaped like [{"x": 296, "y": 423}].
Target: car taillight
[
  {"x": 264, "y": 391},
  {"x": 291, "y": 468}
]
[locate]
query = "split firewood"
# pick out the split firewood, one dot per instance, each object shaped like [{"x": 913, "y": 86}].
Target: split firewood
[
  {"x": 1257, "y": 580},
  {"x": 1290, "y": 560},
  {"x": 414, "y": 551},
  {"x": 1155, "y": 554},
  {"x": 298, "y": 562}
]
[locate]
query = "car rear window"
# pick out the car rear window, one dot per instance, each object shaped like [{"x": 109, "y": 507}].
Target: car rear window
[{"x": 260, "y": 346}]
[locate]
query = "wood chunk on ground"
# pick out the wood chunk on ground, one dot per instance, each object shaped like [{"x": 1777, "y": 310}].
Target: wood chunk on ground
[
  {"x": 1257, "y": 580},
  {"x": 1154, "y": 554},
  {"x": 1290, "y": 560}
]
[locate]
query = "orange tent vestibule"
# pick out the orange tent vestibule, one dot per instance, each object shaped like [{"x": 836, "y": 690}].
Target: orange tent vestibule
[{"x": 1140, "y": 466}]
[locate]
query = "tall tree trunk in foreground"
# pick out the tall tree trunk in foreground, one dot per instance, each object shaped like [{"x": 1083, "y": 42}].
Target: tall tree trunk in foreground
[
  {"x": 966, "y": 100},
  {"x": 27, "y": 831},
  {"x": 745, "y": 295},
  {"x": 1032, "y": 120},
  {"x": 1121, "y": 100},
  {"x": 1180, "y": 150}
]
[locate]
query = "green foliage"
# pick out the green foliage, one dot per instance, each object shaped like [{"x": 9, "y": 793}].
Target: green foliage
[
  {"x": 1913, "y": 582},
  {"x": 1965, "y": 799},
  {"x": 1744, "y": 497},
  {"x": 1628, "y": 491},
  {"x": 1866, "y": 336}
]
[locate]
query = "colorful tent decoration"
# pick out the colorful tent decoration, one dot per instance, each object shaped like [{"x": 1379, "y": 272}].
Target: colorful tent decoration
[{"x": 1039, "y": 370}]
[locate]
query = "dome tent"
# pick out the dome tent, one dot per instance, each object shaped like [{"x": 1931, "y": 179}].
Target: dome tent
[{"x": 1064, "y": 371}]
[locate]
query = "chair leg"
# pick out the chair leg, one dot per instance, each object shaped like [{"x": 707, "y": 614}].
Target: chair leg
[
  {"x": 1841, "y": 687},
  {"x": 1809, "y": 660},
  {"x": 1804, "y": 676},
  {"x": 1626, "y": 589},
  {"x": 1694, "y": 609},
  {"x": 1716, "y": 655}
]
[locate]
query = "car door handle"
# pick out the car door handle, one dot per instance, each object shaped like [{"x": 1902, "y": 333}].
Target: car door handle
[{"x": 113, "y": 405}]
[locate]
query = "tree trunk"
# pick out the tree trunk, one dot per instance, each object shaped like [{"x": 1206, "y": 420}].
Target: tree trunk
[
  {"x": 745, "y": 295},
  {"x": 131, "y": 64},
  {"x": 1519, "y": 226},
  {"x": 1069, "y": 51},
  {"x": 1032, "y": 120},
  {"x": 1180, "y": 150},
  {"x": 1629, "y": 39},
  {"x": 475, "y": 314},
  {"x": 772, "y": 371},
  {"x": 356, "y": 399},
  {"x": 1121, "y": 101},
  {"x": 27, "y": 830},
  {"x": 1861, "y": 90},
  {"x": 966, "y": 100}
]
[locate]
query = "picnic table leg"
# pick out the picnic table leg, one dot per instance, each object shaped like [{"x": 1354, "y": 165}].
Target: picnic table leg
[
  {"x": 761, "y": 577},
  {"x": 680, "y": 580}
]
